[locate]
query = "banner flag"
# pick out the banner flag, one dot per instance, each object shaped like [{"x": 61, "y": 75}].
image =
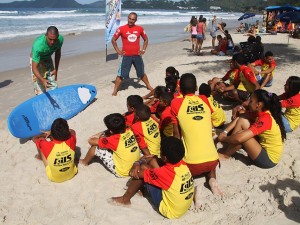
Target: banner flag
[{"x": 113, "y": 18}]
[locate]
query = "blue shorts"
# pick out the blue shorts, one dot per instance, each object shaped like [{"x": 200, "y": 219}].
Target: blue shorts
[
  {"x": 221, "y": 53},
  {"x": 260, "y": 80},
  {"x": 263, "y": 160},
  {"x": 200, "y": 36},
  {"x": 125, "y": 66},
  {"x": 286, "y": 124},
  {"x": 155, "y": 193}
]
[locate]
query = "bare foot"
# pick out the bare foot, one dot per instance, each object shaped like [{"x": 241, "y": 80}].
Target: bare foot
[
  {"x": 197, "y": 204},
  {"x": 119, "y": 201},
  {"x": 38, "y": 157},
  {"x": 215, "y": 187},
  {"x": 82, "y": 162},
  {"x": 114, "y": 94}
]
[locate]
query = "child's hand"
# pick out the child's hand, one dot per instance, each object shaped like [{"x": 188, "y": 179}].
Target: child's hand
[
  {"x": 134, "y": 171},
  {"x": 222, "y": 136},
  {"x": 46, "y": 133}
]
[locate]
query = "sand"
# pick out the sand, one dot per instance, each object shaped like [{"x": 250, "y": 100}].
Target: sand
[{"x": 252, "y": 195}]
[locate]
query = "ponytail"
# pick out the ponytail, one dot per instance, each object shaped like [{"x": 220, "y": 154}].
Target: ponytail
[
  {"x": 272, "y": 103},
  {"x": 276, "y": 111}
]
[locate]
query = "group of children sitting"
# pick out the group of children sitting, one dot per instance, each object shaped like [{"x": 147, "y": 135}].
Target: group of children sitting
[{"x": 165, "y": 139}]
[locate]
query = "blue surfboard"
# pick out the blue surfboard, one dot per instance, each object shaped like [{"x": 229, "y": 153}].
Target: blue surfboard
[{"x": 38, "y": 113}]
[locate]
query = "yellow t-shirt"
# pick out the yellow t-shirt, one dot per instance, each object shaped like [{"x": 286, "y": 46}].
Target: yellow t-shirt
[
  {"x": 218, "y": 116},
  {"x": 60, "y": 156},
  {"x": 193, "y": 114},
  {"x": 177, "y": 186},
  {"x": 125, "y": 150},
  {"x": 269, "y": 135},
  {"x": 148, "y": 135}
]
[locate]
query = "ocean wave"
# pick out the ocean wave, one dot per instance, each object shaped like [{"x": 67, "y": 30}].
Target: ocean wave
[
  {"x": 48, "y": 15},
  {"x": 8, "y": 12}
]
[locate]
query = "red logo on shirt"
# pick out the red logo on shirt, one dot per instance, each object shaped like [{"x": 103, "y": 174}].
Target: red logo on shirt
[
  {"x": 104, "y": 141},
  {"x": 153, "y": 175},
  {"x": 260, "y": 123}
]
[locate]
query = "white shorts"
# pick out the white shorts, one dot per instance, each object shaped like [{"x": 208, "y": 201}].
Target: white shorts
[{"x": 106, "y": 156}]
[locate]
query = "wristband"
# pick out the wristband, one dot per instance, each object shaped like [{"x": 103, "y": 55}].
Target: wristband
[{"x": 225, "y": 131}]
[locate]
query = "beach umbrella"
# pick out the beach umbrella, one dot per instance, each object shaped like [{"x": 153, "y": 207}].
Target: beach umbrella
[
  {"x": 246, "y": 16},
  {"x": 287, "y": 17}
]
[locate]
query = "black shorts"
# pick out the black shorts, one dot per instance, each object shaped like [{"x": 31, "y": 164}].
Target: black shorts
[{"x": 263, "y": 160}]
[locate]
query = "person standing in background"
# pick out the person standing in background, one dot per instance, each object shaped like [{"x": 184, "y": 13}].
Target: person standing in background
[
  {"x": 131, "y": 53},
  {"x": 44, "y": 73}
]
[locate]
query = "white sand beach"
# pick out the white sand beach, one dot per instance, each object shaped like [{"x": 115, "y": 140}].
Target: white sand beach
[{"x": 252, "y": 195}]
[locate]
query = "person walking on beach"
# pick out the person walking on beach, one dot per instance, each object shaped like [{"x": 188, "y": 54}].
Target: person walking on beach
[
  {"x": 131, "y": 53},
  {"x": 44, "y": 74}
]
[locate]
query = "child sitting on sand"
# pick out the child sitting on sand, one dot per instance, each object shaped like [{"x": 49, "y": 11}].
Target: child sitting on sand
[
  {"x": 264, "y": 120},
  {"x": 234, "y": 90},
  {"x": 290, "y": 100},
  {"x": 218, "y": 116},
  {"x": 146, "y": 131},
  {"x": 132, "y": 102},
  {"x": 171, "y": 186},
  {"x": 116, "y": 147},
  {"x": 268, "y": 65},
  {"x": 191, "y": 118},
  {"x": 165, "y": 122},
  {"x": 58, "y": 153},
  {"x": 170, "y": 72},
  {"x": 221, "y": 49}
]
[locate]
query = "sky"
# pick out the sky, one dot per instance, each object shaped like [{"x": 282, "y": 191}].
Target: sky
[{"x": 79, "y": 1}]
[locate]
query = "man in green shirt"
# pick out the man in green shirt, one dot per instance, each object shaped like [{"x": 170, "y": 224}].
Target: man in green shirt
[{"x": 44, "y": 74}]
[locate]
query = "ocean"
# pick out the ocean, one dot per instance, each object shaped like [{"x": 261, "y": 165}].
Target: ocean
[
  {"x": 17, "y": 23},
  {"x": 20, "y": 24}
]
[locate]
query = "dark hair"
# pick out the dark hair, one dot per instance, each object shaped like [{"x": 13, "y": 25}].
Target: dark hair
[
  {"x": 171, "y": 87},
  {"x": 133, "y": 13},
  {"x": 53, "y": 30},
  {"x": 272, "y": 103},
  {"x": 159, "y": 90},
  {"x": 223, "y": 24},
  {"x": 293, "y": 83},
  {"x": 60, "y": 130},
  {"x": 204, "y": 20},
  {"x": 204, "y": 89},
  {"x": 251, "y": 39},
  {"x": 143, "y": 112},
  {"x": 188, "y": 83},
  {"x": 258, "y": 39},
  {"x": 193, "y": 17},
  {"x": 167, "y": 97},
  {"x": 172, "y": 71},
  {"x": 115, "y": 122},
  {"x": 134, "y": 100},
  {"x": 268, "y": 53},
  {"x": 171, "y": 79},
  {"x": 219, "y": 36},
  {"x": 194, "y": 22},
  {"x": 239, "y": 58},
  {"x": 172, "y": 148}
]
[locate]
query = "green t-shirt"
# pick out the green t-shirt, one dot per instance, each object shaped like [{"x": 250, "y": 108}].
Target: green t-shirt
[{"x": 42, "y": 51}]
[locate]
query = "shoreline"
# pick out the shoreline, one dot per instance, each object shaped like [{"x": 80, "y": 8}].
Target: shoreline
[{"x": 18, "y": 50}]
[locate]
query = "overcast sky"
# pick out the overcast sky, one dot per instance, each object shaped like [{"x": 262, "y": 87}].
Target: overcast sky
[{"x": 80, "y": 1}]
